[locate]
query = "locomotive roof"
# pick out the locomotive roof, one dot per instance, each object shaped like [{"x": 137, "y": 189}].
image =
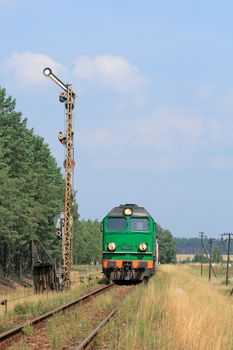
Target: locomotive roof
[{"x": 137, "y": 211}]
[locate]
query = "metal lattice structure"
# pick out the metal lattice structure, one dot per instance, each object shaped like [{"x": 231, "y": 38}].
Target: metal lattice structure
[
  {"x": 67, "y": 140},
  {"x": 69, "y": 166}
]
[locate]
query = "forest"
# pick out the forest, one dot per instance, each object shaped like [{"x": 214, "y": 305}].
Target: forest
[
  {"x": 32, "y": 193},
  {"x": 193, "y": 245}
]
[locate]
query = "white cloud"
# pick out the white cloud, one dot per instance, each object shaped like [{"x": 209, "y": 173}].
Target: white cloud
[
  {"x": 164, "y": 132},
  {"x": 206, "y": 91},
  {"x": 165, "y": 141},
  {"x": 111, "y": 72},
  {"x": 226, "y": 100},
  {"x": 26, "y": 68},
  {"x": 214, "y": 129},
  {"x": 102, "y": 140},
  {"x": 169, "y": 129},
  {"x": 152, "y": 164}
]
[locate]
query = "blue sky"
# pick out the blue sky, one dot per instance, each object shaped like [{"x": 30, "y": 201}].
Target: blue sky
[{"x": 154, "y": 116}]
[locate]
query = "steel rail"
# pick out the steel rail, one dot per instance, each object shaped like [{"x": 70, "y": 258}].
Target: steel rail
[
  {"x": 94, "y": 333},
  {"x": 8, "y": 334}
]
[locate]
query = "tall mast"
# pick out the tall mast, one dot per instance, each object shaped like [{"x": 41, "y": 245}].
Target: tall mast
[
  {"x": 67, "y": 140},
  {"x": 69, "y": 166}
]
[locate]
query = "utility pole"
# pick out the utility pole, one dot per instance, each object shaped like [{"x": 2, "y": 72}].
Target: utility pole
[
  {"x": 206, "y": 253},
  {"x": 229, "y": 235},
  {"x": 222, "y": 246},
  {"x": 67, "y": 140},
  {"x": 210, "y": 260},
  {"x": 201, "y": 235},
  {"x": 157, "y": 252}
]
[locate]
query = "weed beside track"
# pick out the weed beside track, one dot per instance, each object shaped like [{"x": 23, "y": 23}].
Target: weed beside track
[
  {"x": 178, "y": 310},
  {"x": 67, "y": 329},
  {"x": 25, "y": 305}
]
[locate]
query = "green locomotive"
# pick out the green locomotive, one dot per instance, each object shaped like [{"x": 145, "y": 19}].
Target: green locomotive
[{"x": 129, "y": 244}]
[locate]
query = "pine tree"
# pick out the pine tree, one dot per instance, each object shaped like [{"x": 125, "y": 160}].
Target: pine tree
[{"x": 31, "y": 185}]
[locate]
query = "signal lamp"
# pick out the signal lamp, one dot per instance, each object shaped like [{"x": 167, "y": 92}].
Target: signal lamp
[
  {"x": 47, "y": 71},
  {"x": 111, "y": 246},
  {"x": 63, "y": 97},
  {"x": 142, "y": 247},
  {"x": 128, "y": 211}
]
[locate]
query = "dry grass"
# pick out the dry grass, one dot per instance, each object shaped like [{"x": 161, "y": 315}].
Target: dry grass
[
  {"x": 22, "y": 295},
  {"x": 197, "y": 315},
  {"x": 29, "y": 305},
  {"x": 184, "y": 256},
  {"x": 65, "y": 330},
  {"x": 191, "y": 256},
  {"x": 177, "y": 311}
]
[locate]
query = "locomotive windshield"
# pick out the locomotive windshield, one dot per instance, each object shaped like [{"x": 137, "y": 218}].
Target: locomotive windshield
[
  {"x": 138, "y": 224},
  {"x": 116, "y": 224}
]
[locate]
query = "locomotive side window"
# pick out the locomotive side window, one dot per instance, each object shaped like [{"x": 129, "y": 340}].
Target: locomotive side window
[
  {"x": 137, "y": 224},
  {"x": 116, "y": 224}
]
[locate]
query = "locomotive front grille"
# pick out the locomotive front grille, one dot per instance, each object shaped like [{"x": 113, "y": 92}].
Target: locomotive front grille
[{"x": 127, "y": 265}]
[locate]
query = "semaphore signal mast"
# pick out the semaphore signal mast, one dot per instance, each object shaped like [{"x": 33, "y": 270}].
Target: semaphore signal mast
[{"x": 68, "y": 97}]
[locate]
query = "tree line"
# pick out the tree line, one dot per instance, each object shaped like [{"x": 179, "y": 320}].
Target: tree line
[
  {"x": 31, "y": 187},
  {"x": 32, "y": 193},
  {"x": 193, "y": 245}
]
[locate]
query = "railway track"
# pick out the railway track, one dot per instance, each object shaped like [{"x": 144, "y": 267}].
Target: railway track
[
  {"x": 87, "y": 341},
  {"x": 7, "y": 337}
]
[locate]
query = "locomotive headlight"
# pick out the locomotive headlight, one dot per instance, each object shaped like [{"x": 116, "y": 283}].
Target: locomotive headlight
[
  {"x": 128, "y": 211},
  {"x": 142, "y": 247},
  {"x": 111, "y": 246}
]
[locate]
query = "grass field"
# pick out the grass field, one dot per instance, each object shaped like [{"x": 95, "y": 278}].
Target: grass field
[
  {"x": 184, "y": 256},
  {"x": 178, "y": 310},
  {"x": 191, "y": 256},
  {"x": 24, "y": 304}
]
